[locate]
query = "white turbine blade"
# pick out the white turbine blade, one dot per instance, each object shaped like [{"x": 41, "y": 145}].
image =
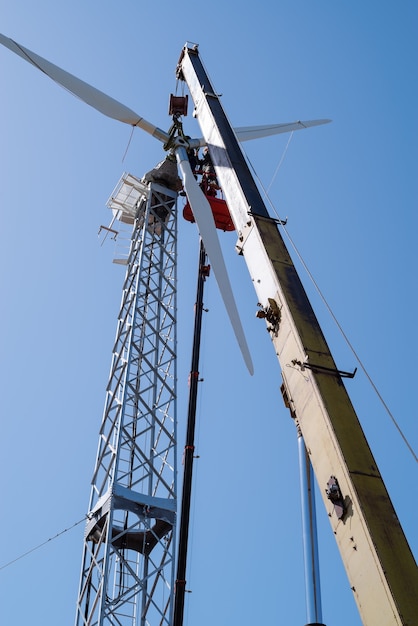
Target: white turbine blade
[
  {"x": 245, "y": 133},
  {"x": 202, "y": 213},
  {"x": 90, "y": 95}
]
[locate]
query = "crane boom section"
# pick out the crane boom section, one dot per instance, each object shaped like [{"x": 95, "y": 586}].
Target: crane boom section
[{"x": 376, "y": 555}]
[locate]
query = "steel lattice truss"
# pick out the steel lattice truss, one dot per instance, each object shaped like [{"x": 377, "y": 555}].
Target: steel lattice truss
[{"x": 128, "y": 559}]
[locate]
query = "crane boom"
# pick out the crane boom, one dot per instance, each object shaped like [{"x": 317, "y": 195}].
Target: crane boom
[{"x": 376, "y": 555}]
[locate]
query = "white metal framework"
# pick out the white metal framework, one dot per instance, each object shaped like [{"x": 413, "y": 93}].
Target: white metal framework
[{"x": 128, "y": 557}]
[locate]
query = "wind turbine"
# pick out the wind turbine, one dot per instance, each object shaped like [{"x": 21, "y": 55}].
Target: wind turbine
[
  {"x": 105, "y": 523},
  {"x": 177, "y": 145}
]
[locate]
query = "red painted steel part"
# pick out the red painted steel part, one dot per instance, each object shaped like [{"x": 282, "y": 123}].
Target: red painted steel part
[{"x": 220, "y": 212}]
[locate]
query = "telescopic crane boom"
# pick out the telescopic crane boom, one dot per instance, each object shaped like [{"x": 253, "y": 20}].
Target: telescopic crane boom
[{"x": 377, "y": 558}]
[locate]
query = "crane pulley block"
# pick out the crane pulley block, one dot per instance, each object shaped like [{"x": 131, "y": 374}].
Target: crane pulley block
[{"x": 178, "y": 105}]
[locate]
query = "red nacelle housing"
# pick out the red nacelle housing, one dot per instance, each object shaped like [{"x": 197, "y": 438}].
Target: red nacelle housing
[{"x": 220, "y": 212}]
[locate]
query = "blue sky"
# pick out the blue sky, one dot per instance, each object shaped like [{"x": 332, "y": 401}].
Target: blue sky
[{"x": 349, "y": 191}]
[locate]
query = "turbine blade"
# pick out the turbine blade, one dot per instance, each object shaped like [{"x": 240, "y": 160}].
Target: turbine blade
[
  {"x": 245, "y": 133},
  {"x": 202, "y": 213},
  {"x": 90, "y": 95}
]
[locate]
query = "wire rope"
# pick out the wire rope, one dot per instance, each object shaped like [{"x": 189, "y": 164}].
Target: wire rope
[
  {"x": 129, "y": 144},
  {"x": 40, "y": 545},
  {"x": 280, "y": 163},
  {"x": 328, "y": 307}
]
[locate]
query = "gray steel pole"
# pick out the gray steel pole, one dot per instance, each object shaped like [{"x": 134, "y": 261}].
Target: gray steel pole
[{"x": 310, "y": 540}]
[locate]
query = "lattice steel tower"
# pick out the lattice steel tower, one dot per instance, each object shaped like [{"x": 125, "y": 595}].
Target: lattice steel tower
[{"x": 128, "y": 567}]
